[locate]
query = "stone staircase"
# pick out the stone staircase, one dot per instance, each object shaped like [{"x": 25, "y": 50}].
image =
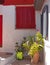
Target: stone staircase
[{"x": 6, "y": 58}]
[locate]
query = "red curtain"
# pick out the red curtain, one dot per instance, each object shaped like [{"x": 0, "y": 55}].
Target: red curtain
[
  {"x": 25, "y": 17},
  {"x": 1, "y": 30},
  {"x": 15, "y": 2}
]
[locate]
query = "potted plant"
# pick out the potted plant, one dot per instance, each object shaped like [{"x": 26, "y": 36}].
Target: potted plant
[
  {"x": 33, "y": 46},
  {"x": 19, "y": 53},
  {"x": 36, "y": 47}
]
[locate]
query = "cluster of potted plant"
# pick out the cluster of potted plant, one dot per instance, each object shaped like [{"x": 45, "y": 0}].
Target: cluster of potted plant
[{"x": 33, "y": 45}]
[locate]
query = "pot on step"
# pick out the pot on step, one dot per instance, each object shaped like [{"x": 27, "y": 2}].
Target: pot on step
[{"x": 35, "y": 58}]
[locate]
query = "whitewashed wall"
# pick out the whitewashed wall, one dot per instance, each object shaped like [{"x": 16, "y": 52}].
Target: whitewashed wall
[
  {"x": 10, "y": 34},
  {"x": 38, "y": 20},
  {"x": 49, "y": 19}
]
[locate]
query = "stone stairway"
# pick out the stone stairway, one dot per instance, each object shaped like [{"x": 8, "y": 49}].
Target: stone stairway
[{"x": 6, "y": 58}]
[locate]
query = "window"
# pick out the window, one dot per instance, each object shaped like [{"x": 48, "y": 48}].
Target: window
[
  {"x": 44, "y": 22},
  {"x": 25, "y": 17}
]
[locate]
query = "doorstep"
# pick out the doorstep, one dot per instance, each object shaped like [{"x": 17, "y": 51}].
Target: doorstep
[
  {"x": 21, "y": 62},
  {"x": 25, "y": 62},
  {"x": 5, "y": 54}
]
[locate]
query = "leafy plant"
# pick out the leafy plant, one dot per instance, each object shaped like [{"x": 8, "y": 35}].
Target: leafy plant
[
  {"x": 19, "y": 52},
  {"x": 37, "y": 45},
  {"x": 27, "y": 44},
  {"x": 35, "y": 48},
  {"x": 31, "y": 44},
  {"x": 19, "y": 55}
]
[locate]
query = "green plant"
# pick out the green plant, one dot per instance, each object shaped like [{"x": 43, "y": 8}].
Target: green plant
[
  {"x": 17, "y": 47},
  {"x": 19, "y": 52},
  {"x": 39, "y": 38},
  {"x": 30, "y": 45},
  {"x": 33, "y": 44},
  {"x": 37, "y": 45},
  {"x": 27, "y": 44},
  {"x": 19, "y": 55}
]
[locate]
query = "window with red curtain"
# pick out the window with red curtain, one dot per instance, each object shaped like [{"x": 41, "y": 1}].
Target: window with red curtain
[
  {"x": 1, "y": 30},
  {"x": 25, "y": 17}
]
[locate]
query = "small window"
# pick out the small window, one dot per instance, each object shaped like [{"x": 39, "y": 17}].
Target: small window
[{"x": 25, "y": 18}]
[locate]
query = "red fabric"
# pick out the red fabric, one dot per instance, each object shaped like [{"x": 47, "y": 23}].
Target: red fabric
[
  {"x": 0, "y": 30},
  {"x": 15, "y": 2},
  {"x": 25, "y": 17}
]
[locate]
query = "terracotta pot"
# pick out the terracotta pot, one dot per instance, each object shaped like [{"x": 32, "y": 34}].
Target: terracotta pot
[{"x": 35, "y": 58}]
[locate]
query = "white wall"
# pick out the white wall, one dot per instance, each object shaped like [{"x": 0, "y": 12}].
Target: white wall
[
  {"x": 10, "y": 34},
  {"x": 49, "y": 19},
  {"x": 38, "y": 20}
]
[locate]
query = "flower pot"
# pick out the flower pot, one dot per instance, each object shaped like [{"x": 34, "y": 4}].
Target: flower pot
[
  {"x": 35, "y": 58},
  {"x": 19, "y": 55}
]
